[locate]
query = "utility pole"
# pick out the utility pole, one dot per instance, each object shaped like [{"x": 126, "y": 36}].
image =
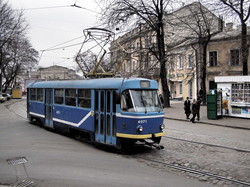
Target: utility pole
[{"x": 1, "y": 69}]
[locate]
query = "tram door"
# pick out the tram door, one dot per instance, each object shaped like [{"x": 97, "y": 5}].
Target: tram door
[
  {"x": 48, "y": 108},
  {"x": 105, "y": 110}
]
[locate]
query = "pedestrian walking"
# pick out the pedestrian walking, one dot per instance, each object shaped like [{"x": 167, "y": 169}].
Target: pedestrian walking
[
  {"x": 198, "y": 102},
  {"x": 194, "y": 110},
  {"x": 162, "y": 100},
  {"x": 187, "y": 105}
]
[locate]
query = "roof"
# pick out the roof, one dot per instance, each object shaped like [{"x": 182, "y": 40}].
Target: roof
[
  {"x": 54, "y": 66},
  {"x": 104, "y": 83},
  {"x": 226, "y": 35}
]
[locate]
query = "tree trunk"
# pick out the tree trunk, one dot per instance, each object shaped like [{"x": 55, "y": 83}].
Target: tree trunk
[
  {"x": 244, "y": 49},
  {"x": 162, "y": 57},
  {"x": 204, "y": 74}
]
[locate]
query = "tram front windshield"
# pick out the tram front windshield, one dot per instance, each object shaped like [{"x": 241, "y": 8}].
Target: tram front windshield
[{"x": 140, "y": 101}]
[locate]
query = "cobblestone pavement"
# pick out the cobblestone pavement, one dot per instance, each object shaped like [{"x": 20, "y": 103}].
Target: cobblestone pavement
[
  {"x": 193, "y": 150},
  {"x": 227, "y": 163}
]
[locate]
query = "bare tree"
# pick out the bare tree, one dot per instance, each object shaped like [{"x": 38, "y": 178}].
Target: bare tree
[
  {"x": 16, "y": 52},
  {"x": 119, "y": 13},
  {"x": 17, "y": 59},
  {"x": 241, "y": 8}
]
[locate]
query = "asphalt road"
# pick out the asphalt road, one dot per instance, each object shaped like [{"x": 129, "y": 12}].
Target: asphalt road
[{"x": 57, "y": 160}]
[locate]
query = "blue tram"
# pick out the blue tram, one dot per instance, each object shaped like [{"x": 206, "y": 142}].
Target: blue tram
[{"x": 112, "y": 111}]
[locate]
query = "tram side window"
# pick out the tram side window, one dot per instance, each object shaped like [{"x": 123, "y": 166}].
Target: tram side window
[
  {"x": 126, "y": 102},
  {"x": 70, "y": 97},
  {"x": 84, "y": 98},
  {"x": 40, "y": 94},
  {"x": 33, "y": 94},
  {"x": 58, "y": 96}
]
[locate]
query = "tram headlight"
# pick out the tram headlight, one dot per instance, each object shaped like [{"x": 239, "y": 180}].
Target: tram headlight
[
  {"x": 162, "y": 126},
  {"x": 140, "y": 128}
]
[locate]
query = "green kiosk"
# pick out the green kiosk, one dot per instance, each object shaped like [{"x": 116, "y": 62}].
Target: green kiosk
[{"x": 214, "y": 104}]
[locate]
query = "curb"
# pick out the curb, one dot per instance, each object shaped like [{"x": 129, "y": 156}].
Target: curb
[{"x": 207, "y": 123}]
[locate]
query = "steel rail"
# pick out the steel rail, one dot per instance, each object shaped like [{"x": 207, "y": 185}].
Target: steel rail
[{"x": 198, "y": 172}]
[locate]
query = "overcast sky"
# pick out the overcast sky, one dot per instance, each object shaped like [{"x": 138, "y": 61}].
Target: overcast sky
[{"x": 53, "y": 22}]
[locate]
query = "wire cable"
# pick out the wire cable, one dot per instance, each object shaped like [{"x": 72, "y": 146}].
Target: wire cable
[
  {"x": 53, "y": 7},
  {"x": 40, "y": 8},
  {"x": 63, "y": 43}
]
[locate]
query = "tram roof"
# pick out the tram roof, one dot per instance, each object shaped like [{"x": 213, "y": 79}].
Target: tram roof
[{"x": 102, "y": 83}]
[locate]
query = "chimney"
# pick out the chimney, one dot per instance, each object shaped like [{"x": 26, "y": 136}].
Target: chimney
[{"x": 229, "y": 26}]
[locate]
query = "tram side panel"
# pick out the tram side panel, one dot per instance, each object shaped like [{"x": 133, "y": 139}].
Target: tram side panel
[{"x": 65, "y": 117}]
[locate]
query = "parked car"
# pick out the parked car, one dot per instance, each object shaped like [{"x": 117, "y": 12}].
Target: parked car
[
  {"x": 7, "y": 96},
  {"x": 2, "y": 99}
]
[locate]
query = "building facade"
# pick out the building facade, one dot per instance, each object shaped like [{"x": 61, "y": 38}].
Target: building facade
[
  {"x": 56, "y": 73},
  {"x": 133, "y": 53},
  {"x": 223, "y": 59},
  {"x": 46, "y": 74}
]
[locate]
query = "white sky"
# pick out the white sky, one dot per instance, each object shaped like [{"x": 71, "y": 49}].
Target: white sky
[{"x": 49, "y": 27}]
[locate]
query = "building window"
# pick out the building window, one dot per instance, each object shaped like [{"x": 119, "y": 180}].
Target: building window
[
  {"x": 59, "y": 94},
  {"x": 129, "y": 66},
  {"x": 70, "y": 97},
  {"x": 213, "y": 58},
  {"x": 190, "y": 61},
  {"x": 180, "y": 87},
  {"x": 134, "y": 66},
  {"x": 190, "y": 89},
  {"x": 171, "y": 63},
  {"x": 133, "y": 46},
  {"x": 179, "y": 62},
  {"x": 235, "y": 57},
  {"x": 137, "y": 45},
  {"x": 84, "y": 98}
]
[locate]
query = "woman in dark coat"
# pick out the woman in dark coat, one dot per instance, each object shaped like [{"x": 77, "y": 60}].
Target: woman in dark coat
[{"x": 187, "y": 105}]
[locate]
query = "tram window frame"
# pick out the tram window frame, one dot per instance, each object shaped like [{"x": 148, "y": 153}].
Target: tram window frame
[
  {"x": 59, "y": 96},
  {"x": 39, "y": 94},
  {"x": 33, "y": 94},
  {"x": 84, "y": 98},
  {"x": 70, "y": 97}
]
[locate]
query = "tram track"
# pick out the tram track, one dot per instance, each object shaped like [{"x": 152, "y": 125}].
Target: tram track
[
  {"x": 207, "y": 144},
  {"x": 194, "y": 171}
]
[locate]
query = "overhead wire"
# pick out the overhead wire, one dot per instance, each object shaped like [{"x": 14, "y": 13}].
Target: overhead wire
[
  {"x": 63, "y": 47},
  {"x": 64, "y": 6},
  {"x": 40, "y": 8},
  {"x": 63, "y": 43}
]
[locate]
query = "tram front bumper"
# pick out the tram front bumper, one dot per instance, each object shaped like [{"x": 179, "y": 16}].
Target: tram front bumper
[{"x": 139, "y": 136}]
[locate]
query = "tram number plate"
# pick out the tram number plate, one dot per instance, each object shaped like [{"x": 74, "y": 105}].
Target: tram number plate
[{"x": 142, "y": 121}]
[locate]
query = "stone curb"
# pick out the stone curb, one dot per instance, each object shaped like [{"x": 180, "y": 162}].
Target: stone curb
[{"x": 207, "y": 123}]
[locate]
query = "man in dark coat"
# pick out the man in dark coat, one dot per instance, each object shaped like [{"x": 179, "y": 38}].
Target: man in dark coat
[
  {"x": 195, "y": 110},
  {"x": 187, "y": 105},
  {"x": 198, "y": 107}
]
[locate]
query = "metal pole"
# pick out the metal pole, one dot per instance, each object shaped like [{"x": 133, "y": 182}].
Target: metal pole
[{"x": 1, "y": 62}]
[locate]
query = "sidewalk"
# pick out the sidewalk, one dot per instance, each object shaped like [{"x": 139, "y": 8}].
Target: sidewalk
[{"x": 176, "y": 112}]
